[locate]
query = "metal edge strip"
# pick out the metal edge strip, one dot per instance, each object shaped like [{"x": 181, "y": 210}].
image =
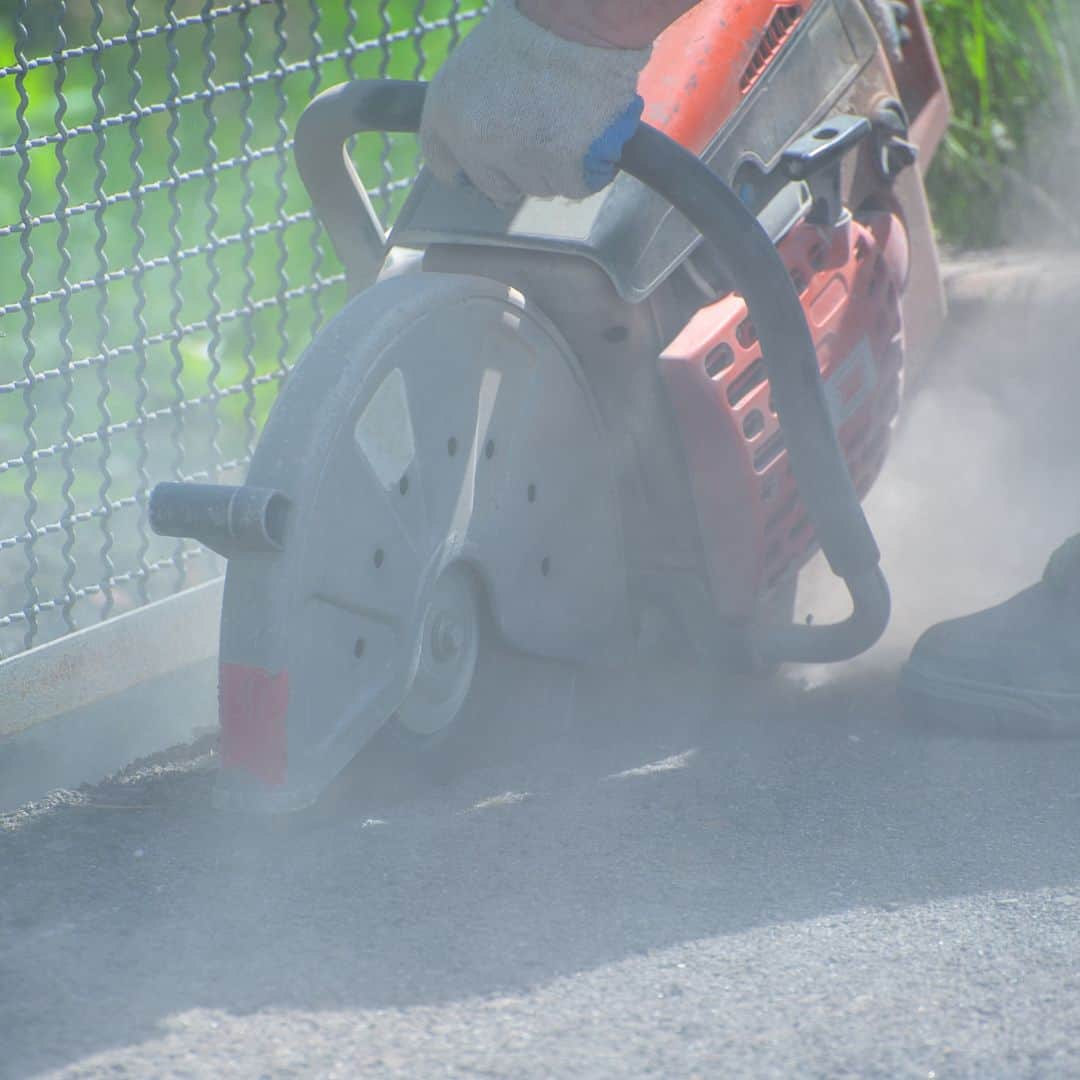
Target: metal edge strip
[{"x": 110, "y": 658}]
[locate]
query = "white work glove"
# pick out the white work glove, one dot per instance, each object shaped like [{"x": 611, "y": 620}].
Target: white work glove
[{"x": 517, "y": 110}]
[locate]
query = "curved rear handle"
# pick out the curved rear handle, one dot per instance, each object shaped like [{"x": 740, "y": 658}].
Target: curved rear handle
[{"x": 745, "y": 250}]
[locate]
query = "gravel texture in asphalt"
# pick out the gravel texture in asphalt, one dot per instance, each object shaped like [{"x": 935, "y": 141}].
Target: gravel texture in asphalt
[{"x": 790, "y": 884}]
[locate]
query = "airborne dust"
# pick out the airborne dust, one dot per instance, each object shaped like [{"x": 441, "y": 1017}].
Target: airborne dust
[{"x": 981, "y": 484}]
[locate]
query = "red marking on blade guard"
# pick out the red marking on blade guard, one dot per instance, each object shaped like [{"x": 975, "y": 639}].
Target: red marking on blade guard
[{"x": 252, "y": 707}]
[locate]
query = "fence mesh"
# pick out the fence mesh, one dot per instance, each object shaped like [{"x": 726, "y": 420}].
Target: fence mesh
[{"x": 161, "y": 268}]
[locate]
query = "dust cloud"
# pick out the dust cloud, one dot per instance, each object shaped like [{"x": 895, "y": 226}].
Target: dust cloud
[{"x": 983, "y": 481}]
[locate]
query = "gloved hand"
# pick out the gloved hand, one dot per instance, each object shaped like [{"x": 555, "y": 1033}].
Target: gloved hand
[{"x": 517, "y": 110}]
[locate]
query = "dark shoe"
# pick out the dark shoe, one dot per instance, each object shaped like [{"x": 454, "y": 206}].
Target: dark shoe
[{"x": 1013, "y": 669}]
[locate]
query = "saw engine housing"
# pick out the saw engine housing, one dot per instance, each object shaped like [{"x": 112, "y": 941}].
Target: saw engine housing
[{"x": 850, "y": 281}]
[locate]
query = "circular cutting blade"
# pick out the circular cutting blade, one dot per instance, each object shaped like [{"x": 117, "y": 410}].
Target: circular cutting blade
[{"x": 441, "y": 455}]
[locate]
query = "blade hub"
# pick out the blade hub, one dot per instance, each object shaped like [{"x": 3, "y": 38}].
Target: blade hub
[
  {"x": 447, "y": 637},
  {"x": 449, "y": 644}
]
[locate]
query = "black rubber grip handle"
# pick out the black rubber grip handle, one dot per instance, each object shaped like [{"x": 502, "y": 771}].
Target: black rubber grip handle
[{"x": 817, "y": 462}]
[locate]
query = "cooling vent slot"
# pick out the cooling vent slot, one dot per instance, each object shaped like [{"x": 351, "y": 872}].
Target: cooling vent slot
[
  {"x": 780, "y": 26},
  {"x": 747, "y": 382}
]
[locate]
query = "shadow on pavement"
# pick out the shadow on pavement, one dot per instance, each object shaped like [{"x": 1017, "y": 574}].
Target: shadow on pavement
[{"x": 566, "y": 843}]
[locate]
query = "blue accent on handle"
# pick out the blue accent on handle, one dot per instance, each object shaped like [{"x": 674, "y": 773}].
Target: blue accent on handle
[{"x": 602, "y": 160}]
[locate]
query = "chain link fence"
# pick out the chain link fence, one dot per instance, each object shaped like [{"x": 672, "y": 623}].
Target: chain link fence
[{"x": 161, "y": 268}]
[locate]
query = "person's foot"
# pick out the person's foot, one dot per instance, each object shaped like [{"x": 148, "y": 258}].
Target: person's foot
[{"x": 1013, "y": 669}]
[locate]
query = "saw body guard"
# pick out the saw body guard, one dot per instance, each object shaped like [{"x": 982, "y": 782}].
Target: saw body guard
[{"x": 560, "y": 421}]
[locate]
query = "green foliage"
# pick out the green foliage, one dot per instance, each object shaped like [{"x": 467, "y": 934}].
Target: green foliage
[
  {"x": 230, "y": 254},
  {"x": 1011, "y": 66}
]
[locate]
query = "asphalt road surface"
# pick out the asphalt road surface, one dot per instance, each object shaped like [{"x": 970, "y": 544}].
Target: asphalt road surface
[{"x": 663, "y": 874}]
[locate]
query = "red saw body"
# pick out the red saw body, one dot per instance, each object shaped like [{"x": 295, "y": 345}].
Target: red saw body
[
  {"x": 852, "y": 282},
  {"x": 561, "y": 425}
]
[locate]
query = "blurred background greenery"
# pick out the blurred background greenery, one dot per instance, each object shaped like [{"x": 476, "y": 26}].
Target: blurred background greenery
[
  {"x": 114, "y": 381},
  {"x": 1013, "y": 68}
]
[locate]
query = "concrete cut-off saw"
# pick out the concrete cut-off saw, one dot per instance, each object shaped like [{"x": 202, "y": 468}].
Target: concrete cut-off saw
[{"x": 572, "y": 430}]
